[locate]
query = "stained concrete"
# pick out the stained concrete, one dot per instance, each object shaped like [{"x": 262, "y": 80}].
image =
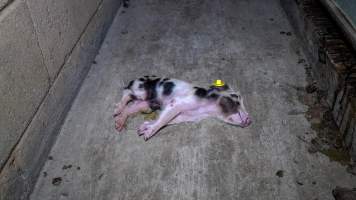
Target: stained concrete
[{"x": 198, "y": 41}]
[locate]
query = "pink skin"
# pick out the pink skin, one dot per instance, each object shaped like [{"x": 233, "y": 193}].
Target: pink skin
[
  {"x": 123, "y": 103},
  {"x": 196, "y": 115},
  {"x": 241, "y": 119},
  {"x": 192, "y": 112},
  {"x": 148, "y": 129},
  {"x": 175, "y": 113},
  {"x": 135, "y": 107},
  {"x": 183, "y": 107}
]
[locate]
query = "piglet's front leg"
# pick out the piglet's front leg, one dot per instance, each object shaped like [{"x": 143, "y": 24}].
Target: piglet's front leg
[
  {"x": 119, "y": 107},
  {"x": 149, "y": 128},
  {"x": 135, "y": 107}
]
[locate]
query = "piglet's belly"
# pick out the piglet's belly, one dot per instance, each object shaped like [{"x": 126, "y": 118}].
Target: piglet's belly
[{"x": 196, "y": 114}]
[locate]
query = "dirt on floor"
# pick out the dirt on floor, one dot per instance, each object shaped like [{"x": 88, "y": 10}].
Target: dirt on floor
[{"x": 328, "y": 139}]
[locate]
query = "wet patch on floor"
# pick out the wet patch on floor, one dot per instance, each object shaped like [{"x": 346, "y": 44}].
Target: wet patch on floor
[
  {"x": 149, "y": 116},
  {"x": 328, "y": 140}
]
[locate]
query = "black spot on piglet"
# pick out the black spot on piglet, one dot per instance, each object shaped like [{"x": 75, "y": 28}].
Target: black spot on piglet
[
  {"x": 168, "y": 88},
  {"x": 163, "y": 81},
  {"x": 213, "y": 96},
  {"x": 228, "y": 106},
  {"x": 154, "y": 105},
  {"x": 150, "y": 87},
  {"x": 133, "y": 97},
  {"x": 234, "y": 96},
  {"x": 200, "y": 92}
]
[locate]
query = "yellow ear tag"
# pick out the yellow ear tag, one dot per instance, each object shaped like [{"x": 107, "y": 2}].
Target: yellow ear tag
[{"x": 218, "y": 83}]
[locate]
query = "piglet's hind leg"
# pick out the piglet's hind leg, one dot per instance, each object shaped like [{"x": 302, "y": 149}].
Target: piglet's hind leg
[{"x": 148, "y": 129}]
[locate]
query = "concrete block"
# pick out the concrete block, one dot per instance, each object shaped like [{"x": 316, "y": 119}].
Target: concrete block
[
  {"x": 59, "y": 25},
  {"x": 23, "y": 76},
  {"x": 30, "y": 154}
]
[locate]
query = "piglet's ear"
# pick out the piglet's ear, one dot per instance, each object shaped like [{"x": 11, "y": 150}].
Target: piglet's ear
[{"x": 129, "y": 85}]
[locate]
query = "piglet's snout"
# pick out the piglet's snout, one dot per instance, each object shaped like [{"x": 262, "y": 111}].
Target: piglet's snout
[{"x": 245, "y": 119}]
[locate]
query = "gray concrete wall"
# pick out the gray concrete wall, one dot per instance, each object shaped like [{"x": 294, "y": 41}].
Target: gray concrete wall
[{"x": 46, "y": 49}]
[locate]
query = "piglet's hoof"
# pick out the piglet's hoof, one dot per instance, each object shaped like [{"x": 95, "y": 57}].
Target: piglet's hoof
[
  {"x": 146, "y": 129},
  {"x": 120, "y": 122},
  {"x": 118, "y": 110},
  {"x": 116, "y": 113}
]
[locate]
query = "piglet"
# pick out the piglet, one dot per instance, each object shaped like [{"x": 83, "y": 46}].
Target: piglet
[{"x": 178, "y": 101}]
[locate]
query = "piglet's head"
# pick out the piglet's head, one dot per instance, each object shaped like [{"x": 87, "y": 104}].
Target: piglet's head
[{"x": 234, "y": 111}]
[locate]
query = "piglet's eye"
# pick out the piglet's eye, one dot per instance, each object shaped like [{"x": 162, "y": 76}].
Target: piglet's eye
[
  {"x": 235, "y": 96},
  {"x": 140, "y": 85}
]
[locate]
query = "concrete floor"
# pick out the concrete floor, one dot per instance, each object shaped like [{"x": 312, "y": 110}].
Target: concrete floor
[{"x": 198, "y": 41}]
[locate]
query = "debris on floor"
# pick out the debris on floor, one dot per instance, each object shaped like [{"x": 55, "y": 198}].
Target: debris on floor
[
  {"x": 280, "y": 173},
  {"x": 66, "y": 167},
  {"x": 126, "y": 3},
  {"x": 56, "y": 181},
  {"x": 299, "y": 182}
]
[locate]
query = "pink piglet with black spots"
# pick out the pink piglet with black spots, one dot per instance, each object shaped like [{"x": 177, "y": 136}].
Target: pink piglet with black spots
[{"x": 178, "y": 101}]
